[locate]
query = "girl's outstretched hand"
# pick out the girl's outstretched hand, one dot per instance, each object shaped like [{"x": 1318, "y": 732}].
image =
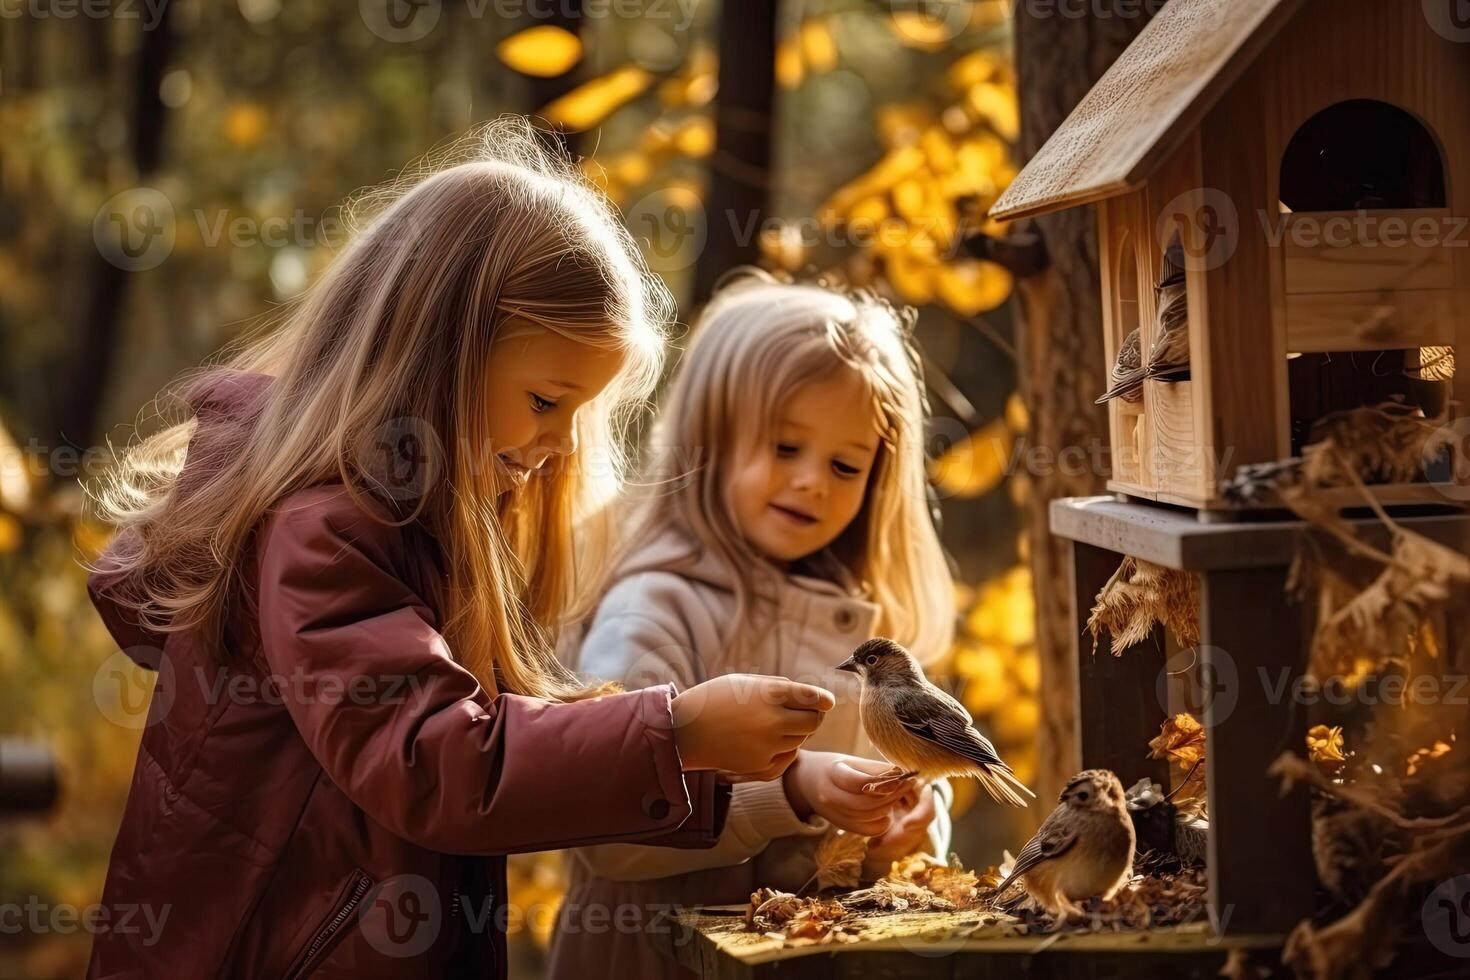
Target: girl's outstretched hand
[
  {"x": 830, "y": 785},
  {"x": 748, "y": 726},
  {"x": 908, "y": 833}
]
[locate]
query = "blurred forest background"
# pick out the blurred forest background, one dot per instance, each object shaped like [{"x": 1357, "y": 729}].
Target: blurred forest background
[{"x": 171, "y": 170}]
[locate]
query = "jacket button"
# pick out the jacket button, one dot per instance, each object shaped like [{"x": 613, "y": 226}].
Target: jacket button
[
  {"x": 845, "y": 619},
  {"x": 171, "y": 793},
  {"x": 656, "y": 807}
]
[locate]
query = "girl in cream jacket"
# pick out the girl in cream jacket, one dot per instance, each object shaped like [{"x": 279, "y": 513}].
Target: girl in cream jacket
[{"x": 786, "y": 522}]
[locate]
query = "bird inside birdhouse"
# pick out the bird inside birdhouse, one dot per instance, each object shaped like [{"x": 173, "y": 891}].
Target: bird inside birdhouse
[{"x": 1281, "y": 189}]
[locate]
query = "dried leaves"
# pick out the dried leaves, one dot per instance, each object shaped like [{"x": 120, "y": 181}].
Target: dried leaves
[
  {"x": 918, "y": 883},
  {"x": 1420, "y": 577},
  {"x": 1374, "y": 444},
  {"x": 897, "y": 895},
  {"x": 1362, "y": 621},
  {"x": 782, "y": 915},
  {"x": 950, "y": 882},
  {"x": 1324, "y": 745},
  {"x": 1422, "y": 757},
  {"x": 1181, "y": 740},
  {"x": 1141, "y": 594},
  {"x": 1155, "y": 900}
]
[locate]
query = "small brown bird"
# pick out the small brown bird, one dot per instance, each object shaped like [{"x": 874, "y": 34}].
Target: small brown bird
[
  {"x": 1168, "y": 355},
  {"x": 920, "y": 729},
  {"x": 1084, "y": 848},
  {"x": 1126, "y": 378}
]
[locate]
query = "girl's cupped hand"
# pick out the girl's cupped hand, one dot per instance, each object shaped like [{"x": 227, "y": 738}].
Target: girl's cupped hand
[{"x": 747, "y": 726}]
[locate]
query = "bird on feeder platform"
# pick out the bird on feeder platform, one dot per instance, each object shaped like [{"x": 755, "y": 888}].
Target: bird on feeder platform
[
  {"x": 919, "y": 728},
  {"x": 1083, "y": 849},
  {"x": 1126, "y": 378},
  {"x": 1168, "y": 356}
]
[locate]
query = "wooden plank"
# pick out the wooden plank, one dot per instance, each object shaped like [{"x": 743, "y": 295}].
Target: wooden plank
[
  {"x": 1120, "y": 315},
  {"x": 1261, "y": 875},
  {"x": 1369, "y": 321},
  {"x": 1152, "y": 97},
  {"x": 935, "y": 945},
  {"x": 1239, "y": 362},
  {"x": 1118, "y": 709},
  {"x": 1367, "y": 251},
  {"x": 1176, "y": 462},
  {"x": 1176, "y": 539}
]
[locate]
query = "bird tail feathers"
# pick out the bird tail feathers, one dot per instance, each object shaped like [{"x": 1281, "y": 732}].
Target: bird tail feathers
[{"x": 1003, "y": 786}]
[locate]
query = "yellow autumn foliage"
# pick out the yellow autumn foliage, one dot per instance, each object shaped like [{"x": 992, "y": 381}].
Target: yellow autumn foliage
[
  {"x": 545, "y": 51},
  {"x": 971, "y": 287},
  {"x": 592, "y": 102},
  {"x": 976, "y": 465}
]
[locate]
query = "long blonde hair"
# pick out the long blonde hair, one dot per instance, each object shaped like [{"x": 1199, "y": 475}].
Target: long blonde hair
[
  {"x": 757, "y": 341},
  {"x": 401, "y": 326}
]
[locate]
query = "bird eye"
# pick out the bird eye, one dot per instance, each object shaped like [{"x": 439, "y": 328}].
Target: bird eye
[
  {"x": 1082, "y": 796},
  {"x": 872, "y": 659}
]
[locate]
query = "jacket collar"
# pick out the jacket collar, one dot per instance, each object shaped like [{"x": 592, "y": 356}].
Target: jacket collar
[{"x": 678, "y": 553}]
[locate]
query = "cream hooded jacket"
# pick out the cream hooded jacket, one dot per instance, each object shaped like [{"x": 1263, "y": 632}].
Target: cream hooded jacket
[{"x": 670, "y": 616}]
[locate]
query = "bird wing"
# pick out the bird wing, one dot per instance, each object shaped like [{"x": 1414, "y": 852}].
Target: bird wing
[
  {"x": 930, "y": 714},
  {"x": 936, "y": 717},
  {"x": 1052, "y": 840},
  {"x": 1128, "y": 370}
]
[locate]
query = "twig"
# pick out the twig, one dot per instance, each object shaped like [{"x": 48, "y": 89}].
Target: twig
[
  {"x": 1022, "y": 255},
  {"x": 1289, "y": 766},
  {"x": 1187, "y": 777}
]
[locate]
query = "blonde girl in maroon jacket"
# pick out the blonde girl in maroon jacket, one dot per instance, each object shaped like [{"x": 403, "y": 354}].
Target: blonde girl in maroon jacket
[{"x": 346, "y": 562}]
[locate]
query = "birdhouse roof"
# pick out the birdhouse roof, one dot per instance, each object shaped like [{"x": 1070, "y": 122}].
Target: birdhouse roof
[{"x": 1153, "y": 96}]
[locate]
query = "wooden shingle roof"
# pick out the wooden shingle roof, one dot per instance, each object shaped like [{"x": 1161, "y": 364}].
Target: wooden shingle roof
[{"x": 1152, "y": 97}]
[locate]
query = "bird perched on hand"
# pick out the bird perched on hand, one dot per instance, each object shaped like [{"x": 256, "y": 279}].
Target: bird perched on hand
[
  {"x": 1084, "y": 848},
  {"x": 920, "y": 729},
  {"x": 1125, "y": 381},
  {"x": 1168, "y": 355}
]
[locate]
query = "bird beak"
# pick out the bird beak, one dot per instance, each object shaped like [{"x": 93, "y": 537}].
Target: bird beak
[{"x": 849, "y": 665}]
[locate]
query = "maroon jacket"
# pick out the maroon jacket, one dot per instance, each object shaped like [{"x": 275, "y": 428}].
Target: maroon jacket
[{"x": 337, "y": 800}]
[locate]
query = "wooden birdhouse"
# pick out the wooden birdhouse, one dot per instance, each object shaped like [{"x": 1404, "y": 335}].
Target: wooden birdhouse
[{"x": 1309, "y": 163}]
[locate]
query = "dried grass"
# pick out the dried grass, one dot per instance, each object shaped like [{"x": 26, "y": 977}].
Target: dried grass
[{"x": 1141, "y": 595}]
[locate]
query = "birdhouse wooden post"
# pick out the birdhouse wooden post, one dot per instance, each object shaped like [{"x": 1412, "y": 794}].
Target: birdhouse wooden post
[{"x": 1309, "y": 161}]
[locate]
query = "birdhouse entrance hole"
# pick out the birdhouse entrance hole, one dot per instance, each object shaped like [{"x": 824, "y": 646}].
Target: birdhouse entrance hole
[{"x": 1366, "y": 233}]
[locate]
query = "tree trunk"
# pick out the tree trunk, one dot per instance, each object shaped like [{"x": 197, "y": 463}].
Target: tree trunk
[
  {"x": 79, "y": 395},
  {"x": 541, "y": 92},
  {"x": 1061, "y": 352},
  {"x": 745, "y": 120}
]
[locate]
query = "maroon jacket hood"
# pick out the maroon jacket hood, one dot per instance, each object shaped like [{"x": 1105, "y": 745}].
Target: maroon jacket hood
[{"x": 224, "y": 403}]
